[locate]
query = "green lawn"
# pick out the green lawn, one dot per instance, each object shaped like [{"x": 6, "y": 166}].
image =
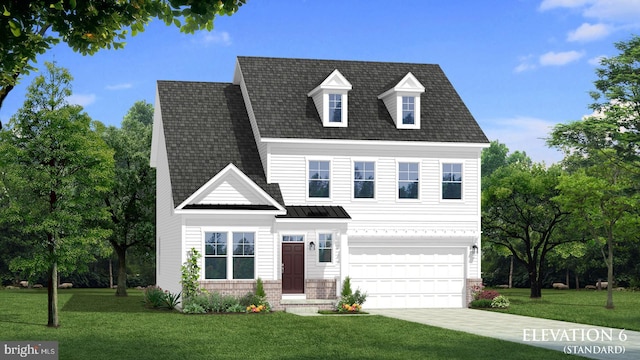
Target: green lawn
[
  {"x": 97, "y": 325},
  {"x": 584, "y": 306}
]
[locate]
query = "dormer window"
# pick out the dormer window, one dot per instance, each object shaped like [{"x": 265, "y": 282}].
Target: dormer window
[
  {"x": 403, "y": 102},
  {"x": 331, "y": 100},
  {"x": 335, "y": 108}
]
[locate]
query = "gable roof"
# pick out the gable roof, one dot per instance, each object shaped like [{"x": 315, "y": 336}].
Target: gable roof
[
  {"x": 278, "y": 89},
  {"x": 206, "y": 128}
]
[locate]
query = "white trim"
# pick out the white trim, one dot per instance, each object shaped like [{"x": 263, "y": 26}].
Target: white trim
[
  {"x": 374, "y": 142},
  {"x": 409, "y": 84},
  {"x": 335, "y": 81},
  {"x": 231, "y": 168},
  {"x": 337, "y": 84},
  {"x": 316, "y": 251},
  {"x": 229, "y": 230},
  {"x": 229, "y": 212}
]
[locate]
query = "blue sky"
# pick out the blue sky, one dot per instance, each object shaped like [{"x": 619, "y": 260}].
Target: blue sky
[{"x": 521, "y": 66}]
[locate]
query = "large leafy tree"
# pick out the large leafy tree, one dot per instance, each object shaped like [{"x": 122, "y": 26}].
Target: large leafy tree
[
  {"x": 131, "y": 203},
  {"x": 603, "y": 195},
  {"x": 520, "y": 214},
  {"x": 56, "y": 167},
  {"x": 29, "y": 28}
]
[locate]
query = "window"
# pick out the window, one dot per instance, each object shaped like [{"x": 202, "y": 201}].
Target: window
[
  {"x": 408, "y": 180},
  {"x": 292, "y": 238},
  {"x": 215, "y": 255},
  {"x": 324, "y": 247},
  {"x": 408, "y": 110},
  {"x": 335, "y": 108},
  {"x": 319, "y": 179},
  {"x": 363, "y": 179},
  {"x": 452, "y": 181},
  {"x": 243, "y": 255}
]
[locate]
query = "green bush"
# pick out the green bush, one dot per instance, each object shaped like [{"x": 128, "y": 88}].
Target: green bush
[
  {"x": 480, "y": 304},
  {"x": 193, "y": 308},
  {"x": 191, "y": 274},
  {"x": 260, "y": 289},
  {"x": 500, "y": 302},
  {"x": 350, "y": 301},
  {"x": 153, "y": 297},
  {"x": 201, "y": 300},
  {"x": 236, "y": 308}
]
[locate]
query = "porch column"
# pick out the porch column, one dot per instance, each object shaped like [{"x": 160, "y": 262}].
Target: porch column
[{"x": 344, "y": 261}]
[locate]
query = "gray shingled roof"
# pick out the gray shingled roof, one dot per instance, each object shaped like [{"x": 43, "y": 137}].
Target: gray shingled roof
[
  {"x": 206, "y": 127},
  {"x": 278, "y": 91},
  {"x": 315, "y": 212}
]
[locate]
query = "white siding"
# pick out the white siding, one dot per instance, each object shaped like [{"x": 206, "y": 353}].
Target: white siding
[
  {"x": 235, "y": 192},
  {"x": 168, "y": 225}
]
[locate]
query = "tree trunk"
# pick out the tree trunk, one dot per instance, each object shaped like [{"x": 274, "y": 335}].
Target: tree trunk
[
  {"x": 121, "y": 290},
  {"x": 567, "y": 279},
  {"x": 511, "y": 273},
  {"x": 110, "y": 273},
  {"x": 52, "y": 290},
  {"x": 610, "y": 271},
  {"x": 536, "y": 288}
]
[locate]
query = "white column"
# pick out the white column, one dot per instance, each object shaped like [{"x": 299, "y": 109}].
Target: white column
[{"x": 344, "y": 261}]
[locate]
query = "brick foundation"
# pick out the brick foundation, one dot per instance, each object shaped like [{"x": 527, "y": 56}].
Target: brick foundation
[
  {"x": 320, "y": 289},
  {"x": 471, "y": 283}
]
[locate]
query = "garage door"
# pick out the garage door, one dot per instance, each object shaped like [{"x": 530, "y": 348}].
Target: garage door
[{"x": 409, "y": 277}]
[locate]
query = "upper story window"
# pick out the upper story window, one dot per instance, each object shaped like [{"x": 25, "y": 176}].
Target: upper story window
[
  {"x": 403, "y": 102},
  {"x": 452, "y": 181},
  {"x": 331, "y": 99},
  {"x": 408, "y": 180},
  {"x": 319, "y": 179},
  {"x": 364, "y": 177},
  {"x": 408, "y": 110},
  {"x": 335, "y": 108}
]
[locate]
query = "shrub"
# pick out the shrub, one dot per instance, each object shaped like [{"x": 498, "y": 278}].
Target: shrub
[
  {"x": 193, "y": 308},
  {"x": 480, "y": 304},
  {"x": 236, "y": 308},
  {"x": 349, "y": 301},
  {"x": 260, "y": 289},
  {"x": 487, "y": 294},
  {"x": 500, "y": 302},
  {"x": 201, "y": 300},
  {"x": 171, "y": 300},
  {"x": 228, "y": 302},
  {"x": 191, "y": 274},
  {"x": 153, "y": 297}
]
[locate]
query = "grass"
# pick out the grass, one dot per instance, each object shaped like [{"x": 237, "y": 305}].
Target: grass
[
  {"x": 97, "y": 325},
  {"x": 583, "y": 306}
]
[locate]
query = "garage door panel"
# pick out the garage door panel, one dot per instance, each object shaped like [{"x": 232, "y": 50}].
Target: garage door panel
[{"x": 409, "y": 277}]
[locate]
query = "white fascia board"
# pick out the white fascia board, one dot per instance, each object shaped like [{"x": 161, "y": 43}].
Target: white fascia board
[
  {"x": 157, "y": 131},
  {"x": 375, "y": 142},
  {"x": 229, "y": 212},
  {"x": 233, "y": 169},
  {"x": 409, "y": 85}
]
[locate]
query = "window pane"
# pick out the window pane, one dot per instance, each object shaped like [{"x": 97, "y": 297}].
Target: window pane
[
  {"x": 215, "y": 267},
  {"x": 408, "y": 190},
  {"x": 335, "y": 108},
  {"x": 452, "y": 191},
  {"x": 243, "y": 243},
  {"x": 215, "y": 243},
  {"x": 452, "y": 181},
  {"x": 364, "y": 179},
  {"x": 319, "y": 181},
  {"x": 408, "y": 110},
  {"x": 408, "y": 180},
  {"x": 243, "y": 267},
  {"x": 324, "y": 255},
  {"x": 296, "y": 238}
]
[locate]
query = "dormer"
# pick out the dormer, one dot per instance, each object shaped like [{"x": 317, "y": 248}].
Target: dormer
[
  {"x": 403, "y": 102},
  {"x": 331, "y": 100}
]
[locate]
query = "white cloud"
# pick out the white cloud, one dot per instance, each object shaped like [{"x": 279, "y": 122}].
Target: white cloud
[
  {"x": 81, "y": 99},
  {"x": 526, "y": 134},
  {"x": 526, "y": 63},
  {"x": 587, "y": 32},
  {"x": 614, "y": 10},
  {"x": 122, "y": 86},
  {"x": 215, "y": 38},
  {"x": 559, "y": 58}
]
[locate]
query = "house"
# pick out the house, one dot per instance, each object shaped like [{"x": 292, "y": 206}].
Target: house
[{"x": 302, "y": 172}]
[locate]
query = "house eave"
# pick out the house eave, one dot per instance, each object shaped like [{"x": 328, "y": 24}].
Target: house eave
[
  {"x": 373, "y": 142},
  {"x": 228, "y": 212}
]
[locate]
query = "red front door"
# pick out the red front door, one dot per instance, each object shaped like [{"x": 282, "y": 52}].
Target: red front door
[{"x": 293, "y": 268}]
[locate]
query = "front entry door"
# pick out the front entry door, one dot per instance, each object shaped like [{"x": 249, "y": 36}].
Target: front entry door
[{"x": 292, "y": 268}]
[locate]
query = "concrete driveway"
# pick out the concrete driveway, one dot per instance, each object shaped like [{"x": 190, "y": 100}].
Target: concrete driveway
[{"x": 584, "y": 340}]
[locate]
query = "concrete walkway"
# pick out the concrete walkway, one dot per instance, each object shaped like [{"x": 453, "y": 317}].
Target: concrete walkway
[{"x": 584, "y": 340}]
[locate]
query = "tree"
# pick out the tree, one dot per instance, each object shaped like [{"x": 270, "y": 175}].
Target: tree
[
  {"x": 57, "y": 168},
  {"x": 131, "y": 202},
  {"x": 30, "y": 28},
  {"x": 603, "y": 195},
  {"x": 520, "y": 214},
  {"x": 615, "y": 124}
]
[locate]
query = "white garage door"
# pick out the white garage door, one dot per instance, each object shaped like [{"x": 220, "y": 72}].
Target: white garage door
[{"x": 409, "y": 277}]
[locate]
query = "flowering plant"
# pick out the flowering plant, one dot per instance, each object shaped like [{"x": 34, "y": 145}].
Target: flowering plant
[
  {"x": 350, "y": 308},
  {"x": 256, "y": 309}
]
